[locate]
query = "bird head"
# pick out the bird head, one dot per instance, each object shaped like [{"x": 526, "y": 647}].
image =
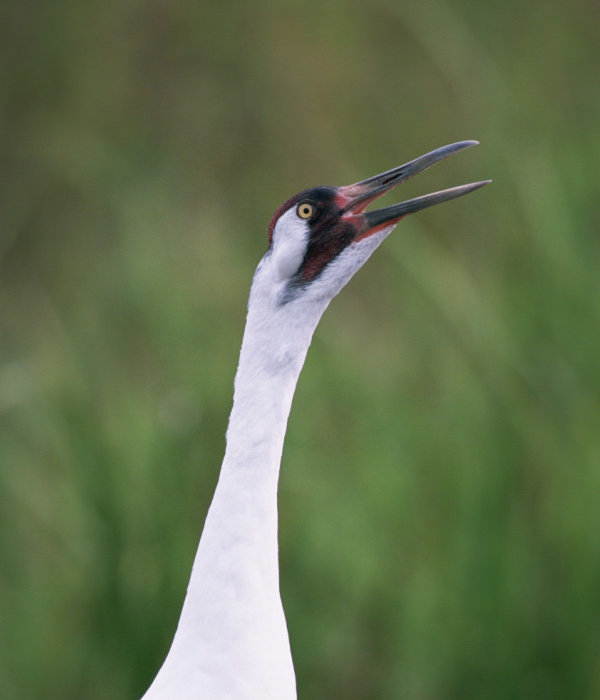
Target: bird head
[{"x": 320, "y": 237}]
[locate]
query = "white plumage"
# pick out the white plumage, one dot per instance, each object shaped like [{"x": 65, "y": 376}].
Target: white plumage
[{"x": 232, "y": 641}]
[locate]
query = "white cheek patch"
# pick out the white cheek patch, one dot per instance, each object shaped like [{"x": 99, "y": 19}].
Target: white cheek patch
[{"x": 290, "y": 240}]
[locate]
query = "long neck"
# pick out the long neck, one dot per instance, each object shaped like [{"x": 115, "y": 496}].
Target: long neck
[
  {"x": 276, "y": 340},
  {"x": 274, "y": 347},
  {"x": 232, "y": 620},
  {"x": 272, "y": 355}
]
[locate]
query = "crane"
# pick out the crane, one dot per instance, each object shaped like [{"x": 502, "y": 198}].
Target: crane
[{"x": 232, "y": 642}]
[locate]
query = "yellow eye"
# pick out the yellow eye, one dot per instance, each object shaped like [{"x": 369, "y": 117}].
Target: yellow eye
[{"x": 305, "y": 210}]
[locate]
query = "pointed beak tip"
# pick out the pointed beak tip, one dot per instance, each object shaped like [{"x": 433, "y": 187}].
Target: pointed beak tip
[
  {"x": 460, "y": 146},
  {"x": 354, "y": 199}
]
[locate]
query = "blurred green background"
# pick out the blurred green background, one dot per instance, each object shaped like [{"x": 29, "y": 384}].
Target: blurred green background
[{"x": 440, "y": 487}]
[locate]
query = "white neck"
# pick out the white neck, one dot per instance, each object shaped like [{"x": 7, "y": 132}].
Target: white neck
[{"x": 232, "y": 641}]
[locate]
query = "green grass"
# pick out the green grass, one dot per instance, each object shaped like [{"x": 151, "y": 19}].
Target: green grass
[{"x": 440, "y": 485}]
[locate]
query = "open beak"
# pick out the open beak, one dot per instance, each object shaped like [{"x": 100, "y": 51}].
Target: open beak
[{"x": 354, "y": 199}]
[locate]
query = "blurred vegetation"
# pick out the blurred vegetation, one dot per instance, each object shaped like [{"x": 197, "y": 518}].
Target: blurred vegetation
[{"x": 439, "y": 497}]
